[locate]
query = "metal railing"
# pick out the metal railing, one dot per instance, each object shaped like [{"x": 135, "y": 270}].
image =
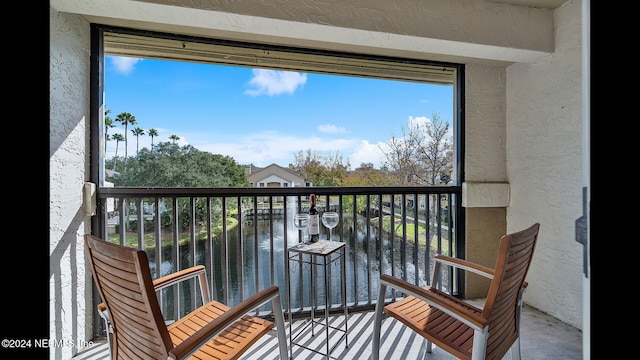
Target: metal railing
[{"x": 241, "y": 234}]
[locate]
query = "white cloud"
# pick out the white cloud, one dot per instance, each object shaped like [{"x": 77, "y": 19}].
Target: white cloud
[
  {"x": 275, "y": 82},
  {"x": 260, "y": 149},
  {"x": 366, "y": 152},
  {"x": 332, "y": 129},
  {"x": 424, "y": 121},
  {"x": 418, "y": 120},
  {"x": 124, "y": 65}
]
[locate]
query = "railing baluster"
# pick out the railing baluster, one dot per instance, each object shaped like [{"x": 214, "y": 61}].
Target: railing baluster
[
  {"x": 416, "y": 239},
  {"x": 240, "y": 250},
  {"x": 367, "y": 246},
  {"x": 157, "y": 233},
  {"x": 272, "y": 250},
  {"x": 175, "y": 250},
  {"x": 354, "y": 246},
  {"x": 121, "y": 220},
  {"x": 300, "y": 278},
  {"x": 392, "y": 237},
  {"x": 257, "y": 214},
  {"x": 403, "y": 248},
  {"x": 379, "y": 233},
  {"x": 372, "y": 249},
  {"x": 225, "y": 253},
  {"x": 427, "y": 240}
]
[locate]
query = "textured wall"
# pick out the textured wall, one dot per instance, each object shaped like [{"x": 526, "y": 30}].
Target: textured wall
[
  {"x": 484, "y": 227},
  {"x": 544, "y": 166},
  {"x": 461, "y": 21},
  {"x": 442, "y": 30},
  {"x": 485, "y": 162},
  {"x": 485, "y": 116},
  {"x": 523, "y": 122},
  {"x": 70, "y": 292}
]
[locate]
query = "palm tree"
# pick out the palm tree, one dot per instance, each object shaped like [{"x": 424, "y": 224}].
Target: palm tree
[
  {"x": 108, "y": 124},
  {"x": 117, "y": 137},
  {"x": 174, "y": 138},
  {"x": 137, "y": 132},
  {"x": 126, "y": 119},
  {"x": 153, "y": 133}
]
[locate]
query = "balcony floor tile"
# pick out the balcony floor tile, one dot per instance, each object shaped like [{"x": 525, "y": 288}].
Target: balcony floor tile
[{"x": 542, "y": 337}]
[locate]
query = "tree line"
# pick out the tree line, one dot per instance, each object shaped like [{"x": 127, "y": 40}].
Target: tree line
[{"x": 421, "y": 155}]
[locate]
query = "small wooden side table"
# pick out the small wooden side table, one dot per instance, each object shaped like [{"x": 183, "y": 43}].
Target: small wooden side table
[{"x": 322, "y": 253}]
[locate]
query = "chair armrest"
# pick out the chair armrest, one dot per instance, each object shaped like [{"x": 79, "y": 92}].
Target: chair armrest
[
  {"x": 465, "y": 312},
  {"x": 182, "y": 275},
  {"x": 104, "y": 314},
  {"x": 465, "y": 265},
  {"x": 169, "y": 280},
  {"x": 200, "y": 337}
]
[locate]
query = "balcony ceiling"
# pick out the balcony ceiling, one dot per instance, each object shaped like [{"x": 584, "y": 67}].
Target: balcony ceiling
[
  {"x": 519, "y": 31},
  {"x": 551, "y": 4}
]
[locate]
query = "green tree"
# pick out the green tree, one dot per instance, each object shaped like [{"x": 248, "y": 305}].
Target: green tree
[
  {"x": 174, "y": 138},
  {"x": 170, "y": 165},
  {"x": 126, "y": 119},
  {"x": 322, "y": 168},
  {"x": 153, "y": 133},
  {"x": 108, "y": 124},
  {"x": 118, "y": 138},
  {"x": 137, "y": 132},
  {"x": 367, "y": 175}
]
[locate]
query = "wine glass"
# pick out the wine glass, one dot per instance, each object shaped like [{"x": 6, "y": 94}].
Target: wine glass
[
  {"x": 330, "y": 220},
  {"x": 301, "y": 222}
]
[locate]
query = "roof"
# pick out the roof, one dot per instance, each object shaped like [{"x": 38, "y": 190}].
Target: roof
[{"x": 256, "y": 175}]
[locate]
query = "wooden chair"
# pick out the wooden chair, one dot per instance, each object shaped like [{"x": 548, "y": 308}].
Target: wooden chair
[
  {"x": 458, "y": 327},
  {"x": 136, "y": 325}
]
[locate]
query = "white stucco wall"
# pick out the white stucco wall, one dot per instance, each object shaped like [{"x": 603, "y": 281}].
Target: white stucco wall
[
  {"x": 544, "y": 166},
  {"x": 485, "y": 118},
  {"x": 440, "y": 30},
  {"x": 70, "y": 294},
  {"x": 523, "y": 118}
]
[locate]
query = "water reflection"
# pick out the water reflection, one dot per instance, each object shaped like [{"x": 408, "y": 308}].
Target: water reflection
[{"x": 257, "y": 262}]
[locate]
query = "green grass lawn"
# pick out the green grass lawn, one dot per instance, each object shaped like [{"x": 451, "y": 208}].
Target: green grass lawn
[
  {"x": 167, "y": 236},
  {"x": 201, "y": 234},
  {"x": 410, "y": 229}
]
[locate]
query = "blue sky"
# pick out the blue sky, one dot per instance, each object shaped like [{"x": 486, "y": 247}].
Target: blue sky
[{"x": 264, "y": 116}]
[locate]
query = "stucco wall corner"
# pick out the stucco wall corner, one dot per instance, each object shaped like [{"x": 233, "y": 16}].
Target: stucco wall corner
[
  {"x": 70, "y": 294},
  {"x": 482, "y": 194}
]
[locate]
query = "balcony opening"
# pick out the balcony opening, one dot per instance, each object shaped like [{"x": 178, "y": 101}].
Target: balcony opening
[{"x": 161, "y": 189}]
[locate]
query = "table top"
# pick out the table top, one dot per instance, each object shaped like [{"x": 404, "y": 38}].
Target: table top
[{"x": 320, "y": 247}]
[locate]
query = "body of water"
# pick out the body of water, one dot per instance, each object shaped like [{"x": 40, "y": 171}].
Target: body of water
[{"x": 257, "y": 262}]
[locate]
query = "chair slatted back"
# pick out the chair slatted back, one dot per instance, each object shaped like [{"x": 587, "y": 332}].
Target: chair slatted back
[
  {"x": 501, "y": 306},
  {"x": 125, "y": 284}
]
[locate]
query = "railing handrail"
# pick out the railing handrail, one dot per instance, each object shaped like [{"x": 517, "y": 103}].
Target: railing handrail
[
  {"x": 104, "y": 192},
  {"x": 364, "y": 233}
]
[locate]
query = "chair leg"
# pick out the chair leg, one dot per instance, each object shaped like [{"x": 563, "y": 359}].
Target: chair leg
[
  {"x": 515, "y": 350},
  {"x": 515, "y": 347},
  {"x": 276, "y": 306},
  {"x": 108, "y": 329},
  {"x": 479, "y": 351},
  {"x": 377, "y": 323}
]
